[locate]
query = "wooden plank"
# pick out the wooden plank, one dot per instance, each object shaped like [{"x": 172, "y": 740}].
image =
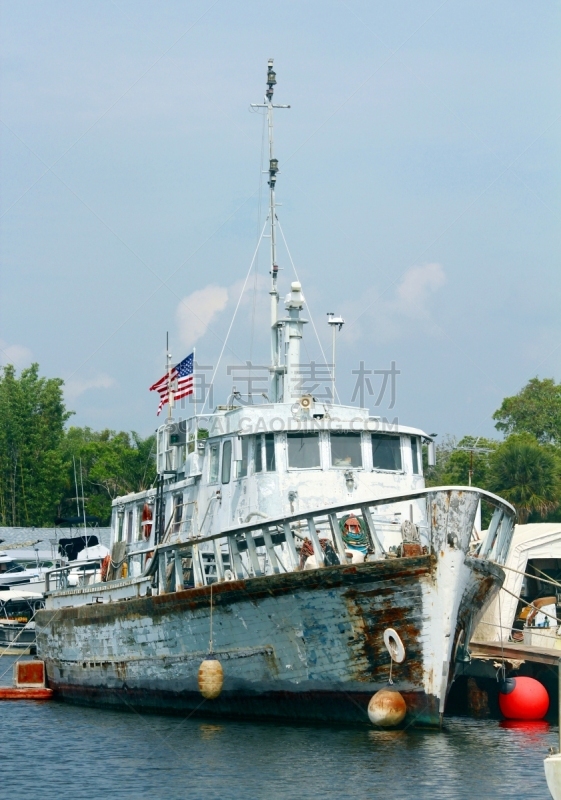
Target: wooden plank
[
  {"x": 162, "y": 588},
  {"x": 271, "y": 550},
  {"x": 367, "y": 516},
  {"x": 289, "y": 539},
  {"x": 251, "y": 549},
  {"x": 520, "y": 652},
  {"x": 178, "y": 571},
  {"x": 218, "y": 559},
  {"x": 491, "y": 533},
  {"x": 198, "y": 569},
  {"x": 318, "y": 552},
  {"x": 235, "y": 558},
  {"x": 337, "y": 538},
  {"x": 504, "y": 538}
]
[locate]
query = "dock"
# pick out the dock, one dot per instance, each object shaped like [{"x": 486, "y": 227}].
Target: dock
[
  {"x": 475, "y": 691},
  {"x": 27, "y": 693},
  {"x": 514, "y": 652},
  {"x": 14, "y": 650}
]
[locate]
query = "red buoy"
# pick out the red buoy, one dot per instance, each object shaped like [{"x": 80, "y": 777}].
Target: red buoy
[{"x": 523, "y": 698}]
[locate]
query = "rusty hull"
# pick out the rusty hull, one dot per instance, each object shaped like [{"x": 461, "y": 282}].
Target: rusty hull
[{"x": 309, "y": 645}]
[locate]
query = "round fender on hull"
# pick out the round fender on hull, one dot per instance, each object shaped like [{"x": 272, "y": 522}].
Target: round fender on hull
[
  {"x": 386, "y": 708},
  {"x": 210, "y": 678}
]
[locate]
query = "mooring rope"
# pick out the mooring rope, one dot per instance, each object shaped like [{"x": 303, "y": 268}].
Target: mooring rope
[{"x": 545, "y": 579}]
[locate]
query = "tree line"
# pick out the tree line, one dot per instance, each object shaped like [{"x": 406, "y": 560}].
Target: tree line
[
  {"x": 525, "y": 467},
  {"x": 47, "y": 465}
]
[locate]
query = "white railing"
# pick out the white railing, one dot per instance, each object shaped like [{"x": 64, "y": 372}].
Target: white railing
[{"x": 273, "y": 546}]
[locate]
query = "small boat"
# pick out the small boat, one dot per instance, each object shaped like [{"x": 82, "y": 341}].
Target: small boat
[
  {"x": 18, "y": 607},
  {"x": 24, "y": 565},
  {"x": 552, "y": 762},
  {"x": 526, "y": 608},
  {"x": 552, "y": 767}
]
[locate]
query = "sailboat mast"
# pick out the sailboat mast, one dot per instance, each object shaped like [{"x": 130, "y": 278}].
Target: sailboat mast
[
  {"x": 276, "y": 367},
  {"x": 274, "y": 292}
]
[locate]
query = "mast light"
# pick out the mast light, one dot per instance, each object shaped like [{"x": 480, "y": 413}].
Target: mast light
[
  {"x": 273, "y": 169},
  {"x": 271, "y": 74}
]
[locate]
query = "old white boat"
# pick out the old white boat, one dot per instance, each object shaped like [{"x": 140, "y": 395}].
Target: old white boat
[
  {"x": 20, "y": 566},
  {"x": 532, "y": 574},
  {"x": 295, "y": 536}
]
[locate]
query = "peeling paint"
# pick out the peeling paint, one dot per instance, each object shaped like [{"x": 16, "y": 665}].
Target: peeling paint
[{"x": 294, "y": 645}]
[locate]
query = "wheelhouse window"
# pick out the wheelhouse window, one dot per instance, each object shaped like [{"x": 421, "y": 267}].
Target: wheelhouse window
[
  {"x": 386, "y": 452},
  {"x": 214, "y": 455},
  {"x": 120, "y": 525},
  {"x": 270, "y": 464},
  {"x": 129, "y": 527},
  {"x": 139, "y": 525},
  {"x": 242, "y": 466},
  {"x": 416, "y": 455},
  {"x": 345, "y": 449},
  {"x": 177, "y": 513},
  {"x": 258, "y": 455},
  {"x": 303, "y": 450},
  {"x": 226, "y": 461},
  {"x": 264, "y": 447}
]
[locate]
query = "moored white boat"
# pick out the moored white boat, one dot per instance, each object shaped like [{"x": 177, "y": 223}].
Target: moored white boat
[{"x": 300, "y": 531}]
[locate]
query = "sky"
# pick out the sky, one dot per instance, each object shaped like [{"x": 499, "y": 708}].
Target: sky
[{"x": 419, "y": 193}]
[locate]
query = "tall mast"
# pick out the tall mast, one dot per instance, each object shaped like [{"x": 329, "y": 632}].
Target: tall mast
[
  {"x": 274, "y": 292},
  {"x": 276, "y": 368}
]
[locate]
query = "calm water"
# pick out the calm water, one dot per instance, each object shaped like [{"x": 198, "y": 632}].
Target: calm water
[{"x": 52, "y": 750}]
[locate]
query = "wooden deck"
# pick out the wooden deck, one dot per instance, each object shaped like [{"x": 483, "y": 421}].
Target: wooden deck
[{"x": 514, "y": 651}]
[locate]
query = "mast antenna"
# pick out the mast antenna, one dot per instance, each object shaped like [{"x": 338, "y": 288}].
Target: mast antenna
[
  {"x": 276, "y": 368},
  {"x": 336, "y": 323}
]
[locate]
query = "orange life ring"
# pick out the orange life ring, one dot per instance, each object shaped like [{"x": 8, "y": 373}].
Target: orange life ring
[
  {"x": 147, "y": 520},
  {"x": 105, "y": 567}
]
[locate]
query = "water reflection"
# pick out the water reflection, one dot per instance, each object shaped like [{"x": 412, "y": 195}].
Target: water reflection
[
  {"x": 210, "y": 731},
  {"x": 151, "y": 757},
  {"x": 377, "y": 736},
  {"x": 532, "y": 730}
]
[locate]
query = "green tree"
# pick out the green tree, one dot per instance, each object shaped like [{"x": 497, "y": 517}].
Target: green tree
[
  {"x": 526, "y": 474},
  {"x": 108, "y": 464},
  {"x": 32, "y": 470},
  {"x": 453, "y": 461},
  {"x": 536, "y": 409}
]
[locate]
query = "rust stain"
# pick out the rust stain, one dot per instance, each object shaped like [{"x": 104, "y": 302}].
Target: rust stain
[
  {"x": 371, "y": 612},
  {"x": 231, "y": 592}
]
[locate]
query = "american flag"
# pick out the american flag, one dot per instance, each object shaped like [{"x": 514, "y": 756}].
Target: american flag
[{"x": 180, "y": 381}]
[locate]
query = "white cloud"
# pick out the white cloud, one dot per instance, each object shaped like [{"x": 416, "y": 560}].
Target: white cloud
[
  {"x": 416, "y": 288},
  {"x": 16, "y": 354},
  {"x": 197, "y": 311},
  {"x": 77, "y": 386},
  {"x": 408, "y": 310}
]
